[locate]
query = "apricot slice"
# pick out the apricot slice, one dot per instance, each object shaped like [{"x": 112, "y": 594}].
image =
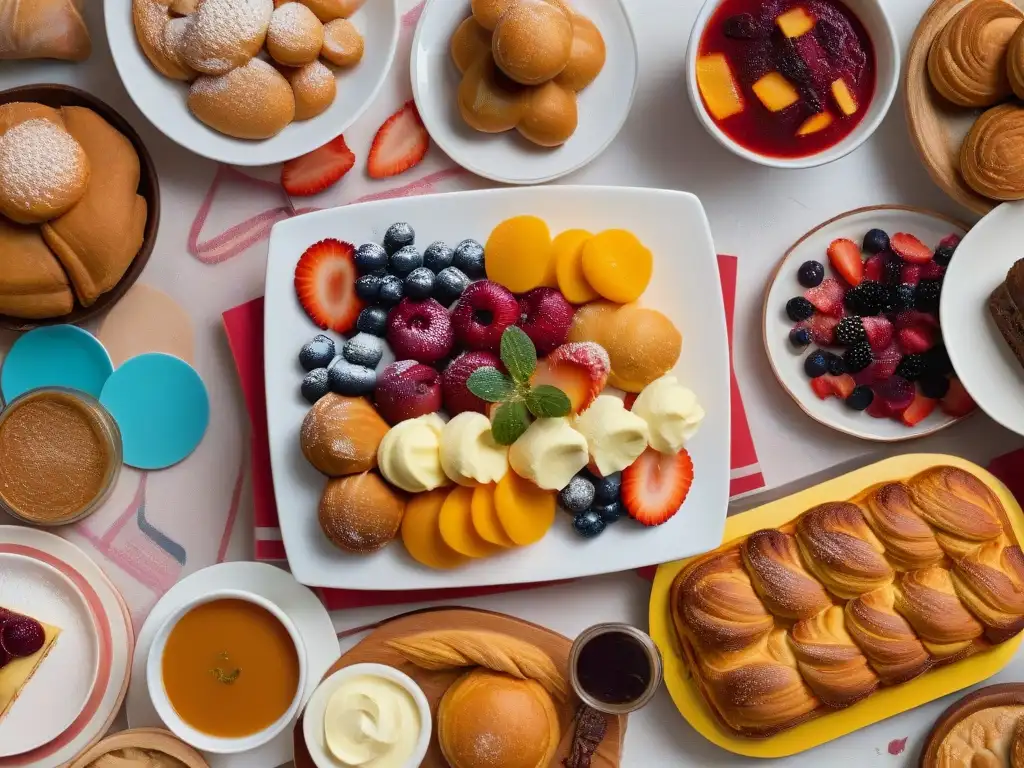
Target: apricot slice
[
  {"x": 526, "y": 512},
  {"x": 643, "y": 345},
  {"x": 844, "y": 97},
  {"x": 617, "y": 265},
  {"x": 795, "y": 22},
  {"x": 488, "y": 101},
  {"x": 518, "y": 253},
  {"x": 567, "y": 252},
  {"x": 775, "y": 92},
  {"x": 485, "y": 517},
  {"x": 456, "y": 525},
  {"x": 470, "y": 43},
  {"x": 718, "y": 86},
  {"x": 593, "y": 322},
  {"x": 814, "y": 124},
  {"x": 421, "y": 533}
]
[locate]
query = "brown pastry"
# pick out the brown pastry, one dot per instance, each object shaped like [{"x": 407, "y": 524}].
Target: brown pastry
[
  {"x": 17, "y": 112},
  {"x": 315, "y": 88},
  {"x": 340, "y": 435},
  {"x": 295, "y": 35},
  {"x": 99, "y": 237},
  {"x": 1006, "y": 305},
  {"x": 772, "y": 558},
  {"x": 251, "y": 102},
  {"x": 172, "y": 46},
  {"x": 225, "y": 34},
  {"x": 928, "y": 600},
  {"x": 361, "y": 513},
  {"x": 532, "y": 40},
  {"x": 43, "y": 29},
  {"x": 150, "y": 18},
  {"x": 1015, "y": 62},
  {"x": 885, "y": 637},
  {"x": 991, "y": 155},
  {"x": 643, "y": 345},
  {"x": 988, "y": 737},
  {"x": 343, "y": 43},
  {"x": 967, "y": 62},
  {"x": 32, "y": 284},
  {"x": 587, "y": 57},
  {"x": 43, "y": 171},
  {"x": 487, "y": 12},
  {"x": 829, "y": 660},
  {"x": 959, "y": 506},
  {"x": 329, "y": 10},
  {"x": 470, "y": 43},
  {"x": 550, "y": 115},
  {"x": 488, "y": 100},
  {"x": 841, "y": 550},
  {"x": 989, "y": 583},
  {"x": 908, "y": 540}
]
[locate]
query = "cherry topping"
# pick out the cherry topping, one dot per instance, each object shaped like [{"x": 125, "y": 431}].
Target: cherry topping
[{"x": 22, "y": 637}]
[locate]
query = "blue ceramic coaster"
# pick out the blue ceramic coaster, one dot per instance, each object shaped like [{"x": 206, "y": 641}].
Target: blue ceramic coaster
[
  {"x": 161, "y": 407},
  {"x": 55, "y": 356}
]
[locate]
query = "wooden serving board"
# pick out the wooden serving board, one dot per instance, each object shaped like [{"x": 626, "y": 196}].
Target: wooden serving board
[
  {"x": 1003, "y": 695},
  {"x": 372, "y": 649}
]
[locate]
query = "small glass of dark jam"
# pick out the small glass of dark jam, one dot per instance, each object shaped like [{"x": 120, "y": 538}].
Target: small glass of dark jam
[{"x": 615, "y": 668}]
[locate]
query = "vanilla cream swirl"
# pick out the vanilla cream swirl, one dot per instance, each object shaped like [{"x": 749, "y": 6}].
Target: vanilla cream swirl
[{"x": 371, "y": 722}]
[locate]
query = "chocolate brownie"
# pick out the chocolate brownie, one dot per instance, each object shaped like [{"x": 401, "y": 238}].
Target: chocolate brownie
[{"x": 1007, "y": 307}]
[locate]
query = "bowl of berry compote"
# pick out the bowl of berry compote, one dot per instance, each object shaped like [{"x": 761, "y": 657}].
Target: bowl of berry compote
[{"x": 792, "y": 83}]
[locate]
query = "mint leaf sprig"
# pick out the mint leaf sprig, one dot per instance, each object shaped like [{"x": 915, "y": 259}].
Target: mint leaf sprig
[{"x": 519, "y": 401}]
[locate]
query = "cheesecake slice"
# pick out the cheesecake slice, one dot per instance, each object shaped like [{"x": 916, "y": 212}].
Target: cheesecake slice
[
  {"x": 1007, "y": 308},
  {"x": 24, "y": 644}
]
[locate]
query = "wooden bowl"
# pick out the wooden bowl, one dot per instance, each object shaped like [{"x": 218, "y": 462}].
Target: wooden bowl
[
  {"x": 150, "y": 739},
  {"x": 54, "y": 95},
  {"x": 1002, "y": 695}
]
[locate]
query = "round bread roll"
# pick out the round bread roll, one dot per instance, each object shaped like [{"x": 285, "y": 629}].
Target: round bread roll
[
  {"x": 488, "y": 101},
  {"x": 588, "y": 55},
  {"x": 329, "y": 10},
  {"x": 295, "y": 35},
  {"x": 343, "y": 44},
  {"x": 315, "y": 87},
  {"x": 225, "y": 34},
  {"x": 340, "y": 435},
  {"x": 470, "y": 43},
  {"x": 361, "y": 513},
  {"x": 43, "y": 172},
  {"x": 550, "y": 115},
  {"x": 532, "y": 41},
  {"x": 487, "y": 12},
  {"x": 251, "y": 102},
  {"x": 487, "y": 719}
]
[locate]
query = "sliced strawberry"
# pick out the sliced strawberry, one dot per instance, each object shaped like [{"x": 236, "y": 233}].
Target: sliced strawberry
[
  {"x": 951, "y": 241},
  {"x": 957, "y": 401},
  {"x": 822, "y": 329},
  {"x": 932, "y": 271},
  {"x": 400, "y": 144},
  {"x": 918, "y": 411},
  {"x": 833, "y": 386},
  {"x": 874, "y": 268},
  {"x": 916, "y": 340},
  {"x": 655, "y": 486},
  {"x": 897, "y": 392},
  {"x": 325, "y": 280},
  {"x": 878, "y": 330},
  {"x": 879, "y": 409},
  {"x": 316, "y": 171},
  {"x": 844, "y": 256},
  {"x": 914, "y": 319},
  {"x": 882, "y": 367},
  {"x": 579, "y": 369},
  {"x": 910, "y": 249},
  {"x": 629, "y": 399},
  {"x": 910, "y": 274},
  {"x": 827, "y": 298}
]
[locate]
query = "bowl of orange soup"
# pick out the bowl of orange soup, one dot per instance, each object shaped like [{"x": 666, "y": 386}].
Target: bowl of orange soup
[{"x": 226, "y": 672}]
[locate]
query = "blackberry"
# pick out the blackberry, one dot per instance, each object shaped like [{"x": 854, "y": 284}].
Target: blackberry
[
  {"x": 816, "y": 364},
  {"x": 850, "y": 331},
  {"x": 860, "y": 398},
  {"x": 911, "y": 367},
  {"x": 934, "y": 385},
  {"x": 811, "y": 274},
  {"x": 800, "y": 337},
  {"x": 937, "y": 360},
  {"x": 858, "y": 357},
  {"x": 799, "y": 309},
  {"x": 944, "y": 254},
  {"x": 836, "y": 364},
  {"x": 927, "y": 295},
  {"x": 867, "y": 299},
  {"x": 893, "y": 271},
  {"x": 901, "y": 298},
  {"x": 876, "y": 241}
]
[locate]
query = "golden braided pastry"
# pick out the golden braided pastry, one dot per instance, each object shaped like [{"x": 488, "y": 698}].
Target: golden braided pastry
[
  {"x": 841, "y": 550},
  {"x": 830, "y": 661},
  {"x": 928, "y": 601},
  {"x": 773, "y": 561},
  {"x": 908, "y": 540},
  {"x": 886, "y": 638}
]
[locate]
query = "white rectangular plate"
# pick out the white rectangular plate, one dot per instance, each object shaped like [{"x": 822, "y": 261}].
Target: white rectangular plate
[{"x": 686, "y": 287}]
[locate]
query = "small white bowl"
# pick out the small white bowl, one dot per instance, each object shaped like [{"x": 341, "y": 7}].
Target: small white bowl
[
  {"x": 158, "y": 694},
  {"x": 887, "y": 70},
  {"x": 313, "y": 719}
]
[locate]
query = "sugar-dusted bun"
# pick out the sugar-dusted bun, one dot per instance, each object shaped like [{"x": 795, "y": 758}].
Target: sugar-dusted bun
[
  {"x": 488, "y": 100},
  {"x": 361, "y": 513},
  {"x": 173, "y": 46},
  {"x": 43, "y": 172},
  {"x": 340, "y": 435},
  {"x": 532, "y": 41},
  {"x": 470, "y": 43},
  {"x": 315, "y": 87},
  {"x": 588, "y": 55},
  {"x": 329, "y": 10},
  {"x": 295, "y": 35},
  {"x": 487, "y": 12},
  {"x": 18, "y": 112},
  {"x": 251, "y": 102},
  {"x": 150, "y": 18},
  {"x": 225, "y": 34},
  {"x": 550, "y": 116},
  {"x": 343, "y": 43}
]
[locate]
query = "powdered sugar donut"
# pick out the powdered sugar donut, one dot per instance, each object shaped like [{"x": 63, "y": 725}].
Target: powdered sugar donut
[
  {"x": 295, "y": 35},
  {"x": 43, "y": 171},
  {"x": 225, "y": 34}
]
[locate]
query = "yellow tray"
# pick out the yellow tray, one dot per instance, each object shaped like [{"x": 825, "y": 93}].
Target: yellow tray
[{"x": 885, "y": 702}]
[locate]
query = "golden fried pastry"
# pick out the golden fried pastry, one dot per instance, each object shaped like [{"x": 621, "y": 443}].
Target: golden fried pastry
[
  {"x": 989, "y": 583},
  {"x": 928, "y": 600},
  {"x": 532, "y": 40},
  {"x": 17, "y": 112},
  {"x": 550, "y": 115},
  {"x": 251, "y": 102},
  {"x": 988, "y": 737},
  {"x": 488, "y": 100},
  {"x": 587, "y": 57},
  {"x": 43, "y": 29},
  {"x": 830, "y": 661},
  {"x": 643, "y": 345},
  {"x": 885, "y": 637},
  {"x": 343, "y": 43},
  {"x": 295, "y": 35},
  {"x": 43, "y": 172},
  {"x": 772, "y": 558},
  {"x": 961, "y": 507},
  {"x": 32, "y": 284},
  {"x": 150, "y": 18},
  {"x": 340, "y": 435},
  {"x": 841, "y": 550},
  {"x": 992, "y": 155},
  {"x": 487, "y": 12},
  {"x": 97, "y": 240},
  {"x": 470, "y": 43},
  {"x": 315, "y": 88},
  {"x": 908, "y": 540},
  {"x": 329, "y": 10},
  {"x": 225, "y": 34},
  {"x": 361, "y": 513},
  {"x": 967, "y": 62}
]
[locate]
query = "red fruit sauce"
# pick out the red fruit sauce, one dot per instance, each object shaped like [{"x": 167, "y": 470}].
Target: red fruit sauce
[{"x": 837, "y": 46}]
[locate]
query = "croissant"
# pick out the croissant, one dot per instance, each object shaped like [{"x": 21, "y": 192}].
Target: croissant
[{"x": 43, "y": 29}]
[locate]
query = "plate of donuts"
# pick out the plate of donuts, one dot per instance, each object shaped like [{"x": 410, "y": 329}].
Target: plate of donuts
[{"x": 524, "y": 91}]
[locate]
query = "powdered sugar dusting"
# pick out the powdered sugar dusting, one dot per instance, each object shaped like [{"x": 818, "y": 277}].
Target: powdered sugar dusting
[
  {"x": 292, "y": 25},
  {"x": 222, "y": 34},
  {"x": 314, "y": 77},
  {"x": 40, "y": 162}
]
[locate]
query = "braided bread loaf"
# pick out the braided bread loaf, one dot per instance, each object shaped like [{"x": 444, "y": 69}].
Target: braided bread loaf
[{"x": 790, "y": 623}]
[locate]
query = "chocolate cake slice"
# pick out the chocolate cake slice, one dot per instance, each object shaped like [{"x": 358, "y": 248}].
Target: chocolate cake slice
[{"x": 1007, "y": 307}]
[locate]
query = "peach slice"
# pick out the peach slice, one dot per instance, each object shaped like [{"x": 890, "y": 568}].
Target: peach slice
[
  {"x": 455, "y": 522},
  {"x": 422, "y": 535},
  {"x": 485, "y": 517},
  {"x": 795, "y": 22},
  {"x": 525, "y": 511},
  {"x": 518, "y": 253},
  {"x": 617, "y": 265},
  {"x": 775, "y": 92},
  {"x": 844, "y": 97},
  {"x": 814, "y": 124},
  {"x": 567, "y": 250},
  {"x": 718, "y": 86}
]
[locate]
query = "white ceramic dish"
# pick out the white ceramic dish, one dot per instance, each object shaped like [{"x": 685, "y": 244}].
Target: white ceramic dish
[
  {"x": 61, "y": 685},
  {"x": 988, "y": 369},
  {"x": 313, "y": 719},
  {"x": 876, "y": 21},
  {"x": 274, "y": 585},
  {"x": 508, "y": 157},
  {"x": 686, "y": 287},
  {"x": 787, "y": 363},
  {"x": 163, "y": 101},
  {"x": 162, "y": 703}
]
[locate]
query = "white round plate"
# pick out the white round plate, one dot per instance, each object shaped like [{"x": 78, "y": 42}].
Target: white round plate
[
  {"x": 982, "y": 358},
  {"x": 279, "y": 587},
  {"x": 508, "y": 157},
  {"x": 63, "y": 681},
  {"x": 163, "y": 101},
  {"x": 788, "y": 363},
  {"x": 113, "y": 638}
]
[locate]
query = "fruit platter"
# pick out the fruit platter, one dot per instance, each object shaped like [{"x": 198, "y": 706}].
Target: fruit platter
[{"x": 496, "y": 387}]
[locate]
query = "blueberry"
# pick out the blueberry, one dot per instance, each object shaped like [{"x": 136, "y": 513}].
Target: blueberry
[
  {"x": 363, "y": 349},
  {"x": 371, "y": 257},
  {"x": 351, "y": 380},
  {"x": 944, "y": 254},
  {"x": 816, "y": 364},
  {"x": 438, "y": 256},
  {"x": 391, "y": 290},
  {"x": 398, "y": 236},
  {"x": 589, "y": 524},
  {"x": 836, "y": 364},
  {"x": 610, "y": 512},
  {"x": 373, "y": 320},
  {"x": 469, "y": 257},
  {"x": 578, "y": 495},
  {"x": 799, "y": 309},
  {"x": 876, "y": 241},
  {"x": 811, "y": 274},
  {"x": 419, "y": 284},
  {"x": 317, "y": 353},
  {"x": 860, "y": 398},
  {"x": 314, "y": 385},
  {"x": 799, "y": 337},
  {"x": 405, "y": 261},
  {"x": 607, "y": 489},
  {"x": 368, "y": 287},
  {"x": 449, "y": 285},
  {"x": 934, "y": 385}
]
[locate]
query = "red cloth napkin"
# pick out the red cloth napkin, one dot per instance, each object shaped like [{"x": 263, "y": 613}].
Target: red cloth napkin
[
  {"x": 1010, "y": 469},
  {"x": 244, "y": 326}
]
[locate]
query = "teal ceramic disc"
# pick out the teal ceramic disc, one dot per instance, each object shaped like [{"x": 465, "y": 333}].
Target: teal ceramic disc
[{"x": 55, "y": 356}]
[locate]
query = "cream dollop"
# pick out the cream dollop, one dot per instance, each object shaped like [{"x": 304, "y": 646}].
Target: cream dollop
[
  {"x": 469, "y": 455},
  {"x": 615, "y": 437},
  {"x": 371, "y": 722},
  {"x": 672, "y": 413},
  {"x": 409, "y": 456},
  {"x": 549, "y": 453}
]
